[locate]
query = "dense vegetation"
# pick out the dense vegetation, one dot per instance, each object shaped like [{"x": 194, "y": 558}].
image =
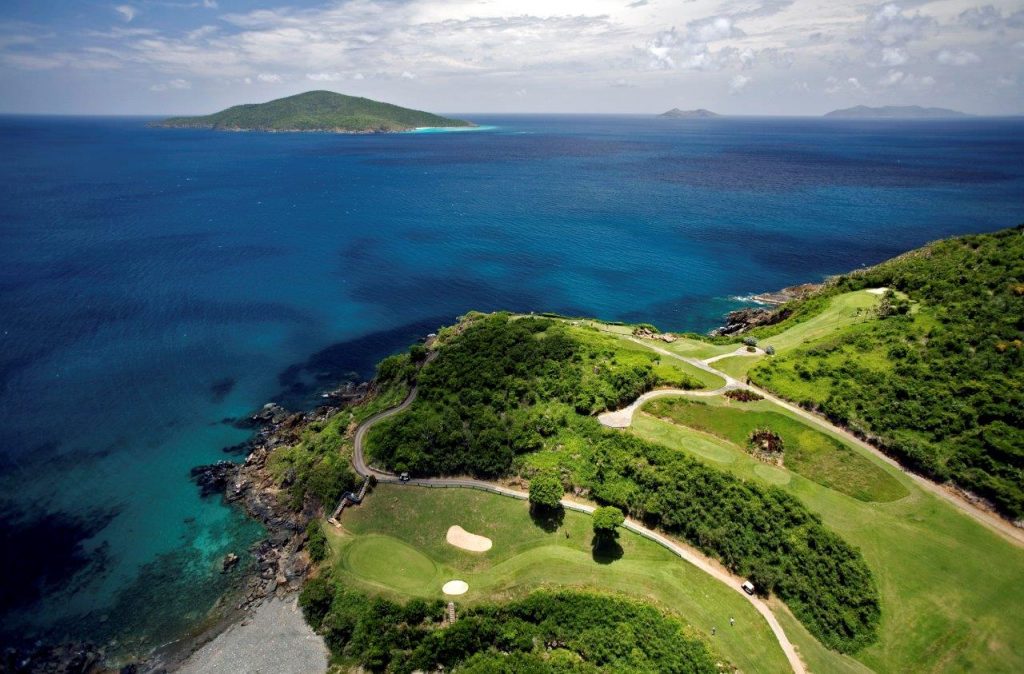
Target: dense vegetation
[
  {"x": 936, "y": 382},
  {"x": 757, "y": 531},
  {"x": 315, "y": 468},
  {"x": 501, "y": 387},
  {"x": 544, "y": 632},
  {"x": 546, "y": 490},
  {"x": 316, "y": 111},
  {"x": 482, "y": 401}
]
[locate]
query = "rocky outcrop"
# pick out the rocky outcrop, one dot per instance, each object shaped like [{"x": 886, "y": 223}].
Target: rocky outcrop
[
  {"x": 742, "y": 320},
  {"x": 77, "y": 658}
]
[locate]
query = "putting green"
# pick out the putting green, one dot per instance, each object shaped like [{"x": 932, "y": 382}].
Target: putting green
[
  {"x": 394, "y": 545},
  {"x": 388, "y": 562}
]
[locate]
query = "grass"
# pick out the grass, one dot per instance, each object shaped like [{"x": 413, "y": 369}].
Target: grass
[
  {"x": 394, "y": 545},
  {"x": 843, "y": 310},
  {"x": 950, "y": 588},
  {"x": 808, "y": 452},
  {"x": 737, "y": 366},
  {"x": 628, "y": 351}
]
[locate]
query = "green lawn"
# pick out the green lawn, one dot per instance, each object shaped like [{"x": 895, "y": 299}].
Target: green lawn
[
  {"x": 808, "y": 452},
  {"x": 627, "y": 351},
  {"x": 737, "y": 366},
  {"x": 951, "y": 589},
  {"x": 843, "y": 310},
  {"x": 394, "y": 544}
]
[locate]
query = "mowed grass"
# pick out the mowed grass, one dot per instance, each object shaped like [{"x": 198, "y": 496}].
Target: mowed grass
[
  {"x": 394, "y": 545},
  {"x": 737, "y": 366},
  {"x": 843, "y": 310},
  {"x": 807, "y": 452},
  {"x": 951, "y": 589},
  {"x": 628, "y": 352}
]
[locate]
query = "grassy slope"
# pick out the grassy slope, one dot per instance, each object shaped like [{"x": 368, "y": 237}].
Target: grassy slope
[
  {"x": 813, "y": 454},
  {"x": 627, "y": 351},
  {"x": 395, "y": 545},
  {"x": 950, "y": 588},
  {"x": 939, "y": 388},
  {"x": 317, "y": 110}
]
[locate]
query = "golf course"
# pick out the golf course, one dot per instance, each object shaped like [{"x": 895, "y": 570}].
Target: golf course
[
  {"x": 396, "y": 546},
  {"x": 668, "y": 471}
]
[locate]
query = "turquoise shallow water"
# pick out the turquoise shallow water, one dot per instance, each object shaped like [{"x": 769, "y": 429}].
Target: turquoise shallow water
[{"x": 156, "y": 282}]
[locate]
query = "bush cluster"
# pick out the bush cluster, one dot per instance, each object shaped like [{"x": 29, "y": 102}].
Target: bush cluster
[
  {"x": 566, "y": 631},
  {"x": 948, "y": 403},
  {"x": 759, "y": 532}
]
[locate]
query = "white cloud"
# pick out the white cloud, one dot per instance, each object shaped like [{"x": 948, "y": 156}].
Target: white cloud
[
  {"x": 957, "y": 57},
  {"x": 890, "y": 26},
  {"x": 357, "y": 76},
  {"x": 981, "y": 18},
  {"x": 269, "y": 77},
  {"x": 406, "y": 75},
  {"x": 176, "y": 83},
  {"x": 324, "y": 77},
  {"x": 891, "y": 78},
  {"x": 691, "y": 50},
  {"x": 127, "y": 12},
  {"x": 894, "y": 56},
  {"x": 738, "y": 83}
]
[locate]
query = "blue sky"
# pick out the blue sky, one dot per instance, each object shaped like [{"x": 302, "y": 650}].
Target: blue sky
[{"x": 732, "y": 56}]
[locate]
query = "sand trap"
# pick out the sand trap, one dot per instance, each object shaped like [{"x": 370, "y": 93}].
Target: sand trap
[
  {"x": 455, "y": 587},
  {"x": 877, "y": 291},
  {"x": 461, "y": 538}
]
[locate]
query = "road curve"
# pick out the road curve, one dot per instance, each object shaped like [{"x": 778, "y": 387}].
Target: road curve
[
  {"x": 992, "y": 521},
  {"x": 691, "y": 555}
]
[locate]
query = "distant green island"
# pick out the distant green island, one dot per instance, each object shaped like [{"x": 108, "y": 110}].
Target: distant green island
[
  {"x": 895, "y": 112},
  {"x": 699, "y": 113},
  {"x": 324, "y": 111}
]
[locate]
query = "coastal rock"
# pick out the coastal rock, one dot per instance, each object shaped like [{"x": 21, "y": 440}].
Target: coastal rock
[
  {"x": 73, "y": 658},
  {"x": 742, "y": 320},
  {"x": 214, "y": 478},
  {"x": 230, "y": 562}
]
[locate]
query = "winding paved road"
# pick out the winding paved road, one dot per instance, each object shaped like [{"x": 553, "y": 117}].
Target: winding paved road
[
  {"x": 622, "y": 419},
  {"x": 691, "y": 555}
]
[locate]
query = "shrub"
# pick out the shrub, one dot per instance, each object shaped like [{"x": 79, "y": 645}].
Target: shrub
[
  {"x": 316, "y": 541},
  {"x": 607, "y": 520},
  {"x": 546, "y": 489}
]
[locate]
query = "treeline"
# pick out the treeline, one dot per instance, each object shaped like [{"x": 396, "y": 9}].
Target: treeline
[
  {"x": 479, "y": 400},
  {"x": 757, "y": 531},
  {"x": 949, "y": 402},
  {"x": 544, "y": 632}
]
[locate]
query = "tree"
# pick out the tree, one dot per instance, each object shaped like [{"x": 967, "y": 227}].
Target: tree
[
  {"x": 546, "y": 490},
  {"x": 606, "y": 520}
]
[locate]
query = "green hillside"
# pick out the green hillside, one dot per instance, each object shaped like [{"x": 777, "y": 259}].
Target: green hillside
[
  {"x": 316, "y": 111},
  {"x": 934, "y": 378}
]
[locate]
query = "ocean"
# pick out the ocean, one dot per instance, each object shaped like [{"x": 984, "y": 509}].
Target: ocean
[{"x": 157, "y": 284}]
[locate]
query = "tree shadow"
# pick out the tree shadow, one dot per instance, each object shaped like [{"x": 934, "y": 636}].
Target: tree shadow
[
  {"x": 606, "y": 549},
  {"x": 548, "y": 519}
]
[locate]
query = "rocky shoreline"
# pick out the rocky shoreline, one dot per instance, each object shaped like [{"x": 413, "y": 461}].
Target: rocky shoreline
[
  {"x": 279, "y": 564},
  {"x": 740, "y": 321}
]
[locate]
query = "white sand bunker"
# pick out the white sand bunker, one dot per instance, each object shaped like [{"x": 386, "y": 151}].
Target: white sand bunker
[
  {"x": 877, "y": 291},
  {"x": 461, "y": 538},
  {"x": 455, "y": 587}
]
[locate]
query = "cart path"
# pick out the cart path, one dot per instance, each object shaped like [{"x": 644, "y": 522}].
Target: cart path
[
  {"x": 993, "y": 522},
  {"x": 690, "y": 554}
]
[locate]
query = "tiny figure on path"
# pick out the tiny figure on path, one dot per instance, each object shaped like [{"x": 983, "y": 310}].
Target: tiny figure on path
[
  {"x": 732, "y": 621},
  {"x": 712, "y": 631}
]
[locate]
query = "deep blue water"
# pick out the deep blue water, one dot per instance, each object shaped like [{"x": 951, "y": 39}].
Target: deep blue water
[{"x": 156, "y": 282}]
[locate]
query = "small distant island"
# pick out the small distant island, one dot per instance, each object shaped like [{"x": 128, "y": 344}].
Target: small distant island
[
  {"x": 324, "y": 111},
  {"x": 699, "y": 113},
  {"x": 895, "y": 112}
]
